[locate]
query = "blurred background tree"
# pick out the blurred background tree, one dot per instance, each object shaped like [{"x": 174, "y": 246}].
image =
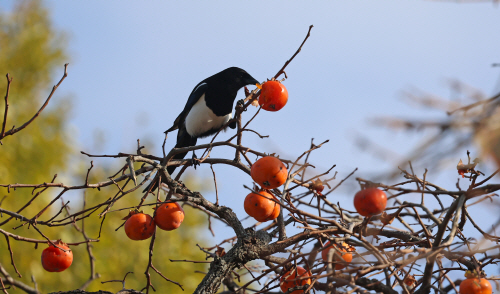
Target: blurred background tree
[{"x": 33, "y": 52}]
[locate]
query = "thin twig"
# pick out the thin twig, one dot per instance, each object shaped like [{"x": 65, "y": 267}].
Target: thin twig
[{"x": 15, "y": 130}]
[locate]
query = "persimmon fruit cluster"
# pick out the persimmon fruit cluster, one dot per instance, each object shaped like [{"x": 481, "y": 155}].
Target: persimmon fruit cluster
[
  {"x": 269, "y": 172},
  {"x": 261, "y": 207},
  {"x": 55, "y": 259},
  {"x": 273, "y": 96},
  {"x": 293, "y": 278},
  {"x": 370, "y": 201}
]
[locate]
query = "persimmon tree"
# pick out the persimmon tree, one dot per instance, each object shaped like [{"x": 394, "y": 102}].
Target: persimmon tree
[{"x": 417, "y": 244}]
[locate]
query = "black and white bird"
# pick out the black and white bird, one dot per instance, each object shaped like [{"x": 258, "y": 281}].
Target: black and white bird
[{"x": 208, "y": 109}]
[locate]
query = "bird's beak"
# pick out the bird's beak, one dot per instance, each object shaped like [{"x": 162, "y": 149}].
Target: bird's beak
[
  {"x": 252, "y": 81},
  {"x": 258, "y": 85}
]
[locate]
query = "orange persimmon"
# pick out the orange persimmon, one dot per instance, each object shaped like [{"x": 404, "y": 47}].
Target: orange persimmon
[
  {"x": 56, "y": 260},
  {"x": 343, "y": 251},
  {"x": 269, "y": 172},
  {"x": 475, "y": 286},
  {"x": 275, "y": 213},
  {"x": 139, "y": 226},
  {"x": 260, "y": 206},
  {"x": 169, "y": 216},
  {"x": 370, "y": 201},
  {"x": 287, "y": 280},
  {"x": 273, "y": 96}
]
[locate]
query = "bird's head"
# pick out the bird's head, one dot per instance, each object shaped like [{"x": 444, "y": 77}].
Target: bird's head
[{"x": 238, "y": 77}]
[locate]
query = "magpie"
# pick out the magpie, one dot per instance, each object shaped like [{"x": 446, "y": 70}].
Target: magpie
[{"x": 208, "y": 108}]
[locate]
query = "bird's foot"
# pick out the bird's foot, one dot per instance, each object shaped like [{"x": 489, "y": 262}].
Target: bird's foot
[
  {"x": 194, "y": 160},
  {"x": 240, "y": 103}
]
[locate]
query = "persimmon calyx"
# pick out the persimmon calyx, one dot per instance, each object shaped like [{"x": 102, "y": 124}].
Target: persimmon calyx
[
  {"x": 131, "y": 213},
  {"x": 471, "y": 274}
]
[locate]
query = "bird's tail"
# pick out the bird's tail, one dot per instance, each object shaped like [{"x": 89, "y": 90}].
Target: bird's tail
[{"x": 183, "y": 140}]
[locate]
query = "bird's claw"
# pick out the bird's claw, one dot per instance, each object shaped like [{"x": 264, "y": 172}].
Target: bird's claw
[
  {"x": 194, "y": 160},
  {"x": 240, "y": 103}
]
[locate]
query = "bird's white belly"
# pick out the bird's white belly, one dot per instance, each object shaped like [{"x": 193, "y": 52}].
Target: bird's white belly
[{"x": 202, "y": 119}]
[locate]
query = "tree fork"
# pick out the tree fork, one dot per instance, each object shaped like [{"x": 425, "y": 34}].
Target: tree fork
[{"x": 246, "y": 249}]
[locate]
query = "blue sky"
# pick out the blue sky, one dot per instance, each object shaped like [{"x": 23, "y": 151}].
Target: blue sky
[{"x": 134, "y": 63}]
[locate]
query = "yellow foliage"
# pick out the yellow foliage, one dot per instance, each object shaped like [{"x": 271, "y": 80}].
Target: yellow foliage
[{"x": 33, "y": 53}]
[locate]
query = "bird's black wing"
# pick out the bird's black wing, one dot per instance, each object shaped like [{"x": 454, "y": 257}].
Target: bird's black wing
[
  {"x": 197, "y": 92},
  {"x": 183, "y": 138}
]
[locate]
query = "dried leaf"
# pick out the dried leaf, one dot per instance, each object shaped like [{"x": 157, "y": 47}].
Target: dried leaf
[
  {"x": 317, "y": 185},
  {"x": 387, "y": 219},
  {"x": 220, "y": 251},
  {"x": 469, "y": 166}
]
